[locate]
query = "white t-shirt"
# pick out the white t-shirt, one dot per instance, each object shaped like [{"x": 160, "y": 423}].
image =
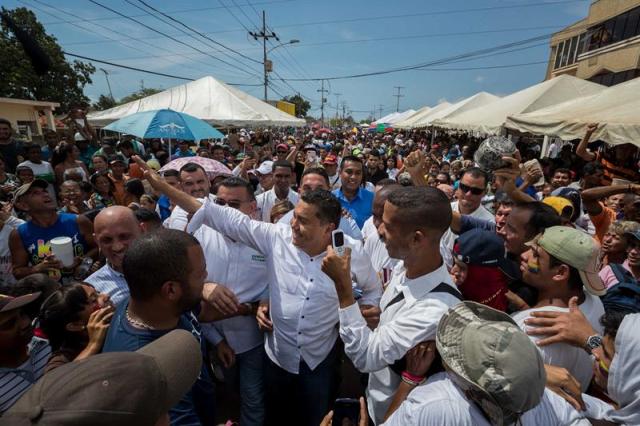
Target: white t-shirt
[
  {"x": 574, "y": 359},
  {"x": 439, "y": 402},
  {"x": 6, "y": 269},
  {"x": 43, "y": 171}
]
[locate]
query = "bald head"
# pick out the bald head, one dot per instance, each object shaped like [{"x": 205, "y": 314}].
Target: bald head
[{"x": 115, "y": 228}]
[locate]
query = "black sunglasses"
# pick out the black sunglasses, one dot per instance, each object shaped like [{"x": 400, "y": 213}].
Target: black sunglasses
[
  {"x": 232, "y": 204},
  {"x": 465, "y": 188}
]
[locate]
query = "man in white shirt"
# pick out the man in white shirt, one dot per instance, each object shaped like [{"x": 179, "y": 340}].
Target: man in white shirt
[
  {"x": 316, "y": 178},
  {"x": 193, "y": 181},
  {"x": 243, "y": 271},
  {"x": 302, "y": 350},
  {"x": 7, "y": 224},
  {"x": 281, "y": 190},
  {"x": 420, "y": 292},
  {"x": 382, "y": 263},
  {"x": 41, "y": 169},
  {"x": 561, "y": 264},
  {"x": 115, "y": 228},
  {"x": 494, "y": 376},
  {"x": 471, "y": 188}
]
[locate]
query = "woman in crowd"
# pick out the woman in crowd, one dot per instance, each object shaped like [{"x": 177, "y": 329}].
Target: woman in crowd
[
  {"x": 67, "y": 159},
  {"x": 103, "y": 188},
  {"x": 614, "y": 242},
  {"x": 71, "y": 197},
  {"x": 392, "y": 167},
  {"x": 75, "y": 319},
  {"x": 149, "y": 202},
  {"x": 135, "y": 190},
  {"x": 100, "y": 163},
  {"x": 279, "y": 209}
]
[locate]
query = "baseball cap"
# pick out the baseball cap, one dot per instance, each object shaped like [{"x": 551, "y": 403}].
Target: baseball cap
[
  {"x": 154, "y": 164},
  {"x": 23, "y": 189},
  {"x": 572, "y": 195},
  {"x": 310, "y": 147},
  {"x": 117, "y": 159},
  {"x": 330, "y": 159},
  {"x": 118, "y": 388},
  {"x": 9, "y": 303},
  {"x": 634, "y": 234},
  {"x": 491, "y": 360},
  {"x": 265, "y": 168},
  {"x": 282, "y": 146},
  {"x": 577, "y": 249},
  {"x": 561, "y": 205},
  {"x": 484, "y": 248}
]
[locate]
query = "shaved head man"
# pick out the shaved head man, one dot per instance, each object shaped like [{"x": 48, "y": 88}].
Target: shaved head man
[{"x": 115, "y": 228}]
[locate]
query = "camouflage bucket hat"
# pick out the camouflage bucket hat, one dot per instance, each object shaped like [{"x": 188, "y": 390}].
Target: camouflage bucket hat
[
  {"x": 490, "y": 152},
  {"x": 491, "y": 360}
]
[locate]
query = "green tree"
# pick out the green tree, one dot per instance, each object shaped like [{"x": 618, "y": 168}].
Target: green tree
[
  {"x": 302, "y": 106},
  {"x": 142, "y": 93},
  {"x": 104, "y": 102},
  {"x": 63, "y": 82}
]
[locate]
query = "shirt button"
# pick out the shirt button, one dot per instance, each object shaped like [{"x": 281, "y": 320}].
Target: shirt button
[
  {"x": 299, "y": 347},
  {"x": 303, "y": 316},
  {"x": 311, "y": 260},
  {"x": 311, "y": 280},
  {"x": 307, "y": 298},
  {"x": 299, "y": 332}
]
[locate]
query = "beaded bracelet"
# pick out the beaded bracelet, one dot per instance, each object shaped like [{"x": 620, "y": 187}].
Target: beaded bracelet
[{"x": 412, "y": 380}]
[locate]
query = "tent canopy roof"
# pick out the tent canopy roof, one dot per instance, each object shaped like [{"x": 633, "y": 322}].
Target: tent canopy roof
[
  {"x": 490, "y": 118},
  {"x": 208, "y": 99},
  {"x": 420, "y": 118},
  {"x": 616, "y": 109}
]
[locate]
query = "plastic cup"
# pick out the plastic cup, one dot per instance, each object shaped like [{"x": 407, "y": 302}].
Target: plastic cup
[{"x": 62, "y": 249}]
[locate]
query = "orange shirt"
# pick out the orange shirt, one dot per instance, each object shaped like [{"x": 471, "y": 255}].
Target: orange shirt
[{"x": 602, "y": 221}]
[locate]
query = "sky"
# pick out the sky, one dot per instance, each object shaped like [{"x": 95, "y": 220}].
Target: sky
[{"x": 336, "y": 39}]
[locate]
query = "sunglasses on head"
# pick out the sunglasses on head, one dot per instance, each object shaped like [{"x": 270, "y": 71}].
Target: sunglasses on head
[
  {"x": 232, "y": 204},
  {"x": 465, "y": 188}
]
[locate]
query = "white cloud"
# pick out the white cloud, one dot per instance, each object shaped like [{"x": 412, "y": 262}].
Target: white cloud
[{"x": 479, "y": 79}]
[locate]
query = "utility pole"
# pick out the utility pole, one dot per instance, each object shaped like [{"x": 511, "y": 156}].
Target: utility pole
[
  {"x": 380, "y": 110},
  {"x": 398, "y": 96},
  {"x": 266, "y": 64},
  {"x": 344, "y": 108},
  {"x": 337, "y": 103},
  {"x": 322, "y": 101},
  {"x": 106, "y": 75}
]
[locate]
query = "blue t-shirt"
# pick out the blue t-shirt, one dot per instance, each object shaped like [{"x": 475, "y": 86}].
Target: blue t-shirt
[
  {"x": 197, "y": 406},
  {"x": 360, "y": 208},
  {"x": 164, "y": 207}
]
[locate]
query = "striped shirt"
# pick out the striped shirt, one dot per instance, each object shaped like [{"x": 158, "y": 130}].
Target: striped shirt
[
  {"x": 14, "y": 382},
  {"x": 109, "y": 281}
]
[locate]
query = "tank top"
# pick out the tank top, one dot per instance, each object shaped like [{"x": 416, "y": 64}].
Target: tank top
[{"x": 35, "y": 239}]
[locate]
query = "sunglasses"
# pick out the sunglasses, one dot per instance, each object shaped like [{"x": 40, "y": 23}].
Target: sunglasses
[
  {"x": 232, "y": 204},
  {"x": 465, "y": 188}
]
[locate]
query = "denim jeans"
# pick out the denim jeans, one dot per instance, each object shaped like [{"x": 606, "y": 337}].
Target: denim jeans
[
  {"x": 251, "y": 372},
  {"x": 303, "y": 398}
]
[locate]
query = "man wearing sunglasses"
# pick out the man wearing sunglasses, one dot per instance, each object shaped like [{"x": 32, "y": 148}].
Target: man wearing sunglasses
[
  {"x": 471, "y": 188},
  {"x": 241, "y": 273}
]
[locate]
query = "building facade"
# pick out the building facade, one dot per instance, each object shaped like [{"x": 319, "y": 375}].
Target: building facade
[
  {"x": 604, "y": 47},
  {"x": 28, "y": 118}
]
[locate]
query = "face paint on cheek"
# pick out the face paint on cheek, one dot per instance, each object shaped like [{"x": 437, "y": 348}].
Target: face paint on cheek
[{"x": 533, "y": 266}]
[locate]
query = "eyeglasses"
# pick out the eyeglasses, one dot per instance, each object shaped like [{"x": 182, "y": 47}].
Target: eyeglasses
[
  {"x": 465, "y": 188},
  {"x": 232, "y": 204}
]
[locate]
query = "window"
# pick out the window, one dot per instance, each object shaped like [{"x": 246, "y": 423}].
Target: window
[
  {"x": 618, "y": 30},
  {"x": 609, "y": 78},
  {"x": 566, "y": 51},
  {"x": 558, "y": 55},
  {"x": 613, "y": 30},
  {"x": 631, "y": 28}
]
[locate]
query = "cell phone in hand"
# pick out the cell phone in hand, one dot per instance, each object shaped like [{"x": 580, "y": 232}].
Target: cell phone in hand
[
  {"x": 346, "y": 411},
  {"x": 337, "y": 241},
  {"x": 312, "y": 156}
]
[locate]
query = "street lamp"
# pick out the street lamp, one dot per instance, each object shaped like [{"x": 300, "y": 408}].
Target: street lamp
[
  {"x": 268, "y": 66},
  {"x": 294, "y": 41}
]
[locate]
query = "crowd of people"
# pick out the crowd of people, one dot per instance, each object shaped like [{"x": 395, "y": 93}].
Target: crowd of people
[{"x": 463, "y": 294}]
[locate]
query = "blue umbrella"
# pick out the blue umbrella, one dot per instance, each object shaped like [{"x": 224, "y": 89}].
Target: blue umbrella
[{"x": 165, "y": 123}]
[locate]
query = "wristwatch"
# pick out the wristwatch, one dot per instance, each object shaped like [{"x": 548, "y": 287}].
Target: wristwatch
[{"x": 592, "y": 343}]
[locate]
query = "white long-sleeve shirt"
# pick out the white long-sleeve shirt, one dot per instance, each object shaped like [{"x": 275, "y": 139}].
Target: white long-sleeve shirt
[
  {"x": 244, "y": 271},
  {"x": 303, "y": 299},
  {"x": 402, "y": 326},
  {"x": 267, "y": 200}
]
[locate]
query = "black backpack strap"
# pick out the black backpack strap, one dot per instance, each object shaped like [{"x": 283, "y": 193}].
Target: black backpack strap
[
  {"x": 621, "y": 273},
  {"x": 400, "y": 365}
]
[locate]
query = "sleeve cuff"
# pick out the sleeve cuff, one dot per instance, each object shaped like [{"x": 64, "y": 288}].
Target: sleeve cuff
[
  {"x": 350, "y": 315},
  {"x": 199, "y": 218}
]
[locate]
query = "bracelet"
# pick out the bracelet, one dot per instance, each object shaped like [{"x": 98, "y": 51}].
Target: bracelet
[{"x": 412, "y": 380}]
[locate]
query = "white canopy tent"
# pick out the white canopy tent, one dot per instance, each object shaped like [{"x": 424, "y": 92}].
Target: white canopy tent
[
  {"x": 406, "y": 123},
  {"x": 386, "y": 118},
  {"x": 421, "y": 116},
  {"x": 477, "y": 100},
  {"x": 208, "y": 99},
  {"x": 490, "y": 118},
  {"x": 615, "y": 109},
  {"x": 402, "y": 116}
]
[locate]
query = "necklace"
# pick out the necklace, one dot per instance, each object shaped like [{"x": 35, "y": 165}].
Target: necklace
[{"x": 137, "y": 323}]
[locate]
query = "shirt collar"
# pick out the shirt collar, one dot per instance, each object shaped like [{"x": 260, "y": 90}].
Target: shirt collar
[
  {"x": 113, "y": 271},
  {"x": 414, "y": 289}
]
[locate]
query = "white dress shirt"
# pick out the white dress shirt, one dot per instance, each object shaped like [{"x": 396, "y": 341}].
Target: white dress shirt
[
  {"x": 303, "y": 299},
  {"x": 109, "y": 281},
  {"x": 377, "y": 252},
  {"x": 179, "y": 217},
  {"x": 244, "y": 271},
  {"x": 449, "y": 238},
  {"x": 268, "y": 199},
  {"x": 439, "y": 402},
  {"x": 405, "y": 324},
  {"x": 347, "y": 225}
]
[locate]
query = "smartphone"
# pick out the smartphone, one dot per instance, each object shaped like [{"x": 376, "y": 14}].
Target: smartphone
[
  {"x": 337, "y": 240},
  {"x": 346, "y": 411}
]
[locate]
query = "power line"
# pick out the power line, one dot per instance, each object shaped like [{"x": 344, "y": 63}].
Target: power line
[
  {"x": 100, "y": 61},
  {"x": 164, "y": 34}
]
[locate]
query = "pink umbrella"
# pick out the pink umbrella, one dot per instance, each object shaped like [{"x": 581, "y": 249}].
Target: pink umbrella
[{"x": 213, "y": 167}]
